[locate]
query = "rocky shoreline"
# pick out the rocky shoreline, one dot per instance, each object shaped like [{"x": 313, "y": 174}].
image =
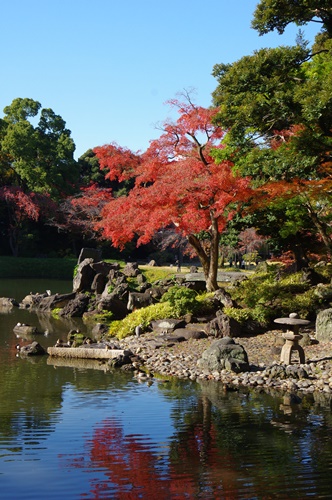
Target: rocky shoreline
[{"x": 179, "y": 359}]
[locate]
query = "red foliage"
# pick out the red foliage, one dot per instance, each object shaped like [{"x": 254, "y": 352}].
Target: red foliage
[
  {"x": 22, "y": 205},
  {"x": 121, "y": 163},
  {"x": 176, "y": 181},
  {"x": 282, "y": 136},
  {"x": 250, "y": 241},
  {"x": 80, "y": 214},
  {"x": 134, "y": 471}
]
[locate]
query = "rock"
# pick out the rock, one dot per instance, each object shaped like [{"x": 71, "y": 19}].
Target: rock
[
  {"x": 99, "y": 283},
  {"x": 222, "y": 297},
  {"x": 32, "y": 300},
  {"x": 114, "y": 304},
  {"x": 167, "y": 325},
  {"x": 7, "y": 303},
  {"x": 190, "y": 333},
  {"x": 33, "y": 349},
  {"x": 224, "y": 354},
  {"x": 48, "y": 303},
  {"x": 99, "y": 329},
  {"x": 141, "y": 279},
  {"x": 76, "y": 307},
  {"x": 137, "y": 300},
  {"x": 131, "y": 270},
  {"x": 120, "y": 291},
  {"x": 324, "y": 325},
  {"x": 23, "y": 330},
  {"x": 105, "y": 268},
  {"x": 89, "y": 253},
  {"x": 224, "y": 326},
  {"x": 84, "y": 276}
]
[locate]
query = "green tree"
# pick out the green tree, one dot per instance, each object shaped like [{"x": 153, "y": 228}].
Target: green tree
[
  {"x": 37, "y": 158},
  {"x": 277, "y": 14},
  {"x": 90, "y": 170},
  {"x": 37, "y": 168},
  {"x": 277, "y": 107}
]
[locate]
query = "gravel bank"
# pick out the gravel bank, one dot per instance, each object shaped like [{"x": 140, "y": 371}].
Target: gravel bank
[{"x": 153, "y": 355}]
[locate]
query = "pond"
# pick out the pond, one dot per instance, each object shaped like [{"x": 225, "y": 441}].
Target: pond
[{"x": 71, "y": 429}]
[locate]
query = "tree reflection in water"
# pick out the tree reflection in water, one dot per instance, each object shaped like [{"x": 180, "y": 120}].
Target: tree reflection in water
[
  {"x": 136, "y": 467},
  {"x": 224, "y": 447}
]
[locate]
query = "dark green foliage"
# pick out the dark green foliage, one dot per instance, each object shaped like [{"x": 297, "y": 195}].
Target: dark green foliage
[
  {"x": 40, "y": 158},
  {"x": 267, "y": 295},
  {"x": 21, "y": 267},
  {"x": 273, "y": 15},
  {"x": 182, "y": 300}
]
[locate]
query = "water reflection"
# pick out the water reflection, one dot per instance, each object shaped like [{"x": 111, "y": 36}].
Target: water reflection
[
  {"x": 85, "y": 430},
  {"x": 227, "y": 450}
]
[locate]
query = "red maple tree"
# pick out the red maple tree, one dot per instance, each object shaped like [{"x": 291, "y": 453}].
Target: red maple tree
[
  {"x": 20, "y": 207},
  {"x": 177, "y": 183}
]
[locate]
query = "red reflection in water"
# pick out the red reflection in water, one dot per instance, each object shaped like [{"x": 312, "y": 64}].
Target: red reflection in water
[{"x": 192, "y": 470}]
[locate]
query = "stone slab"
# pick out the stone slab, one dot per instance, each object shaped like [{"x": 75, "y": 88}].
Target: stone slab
[{"x": 86, "y": 353}]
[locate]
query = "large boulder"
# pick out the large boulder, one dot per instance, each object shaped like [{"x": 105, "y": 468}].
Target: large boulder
[
  {"x": 324, "y": 325},
  {"x": 191, "y": 333},
  {"x": 114, "y": 304},
  {"x": 22, "y": 330},
  {"x": 137, "y": 300},
  {"x": 98, "y": 284},
  {"x": 89, "y": 253},
  {"x": 6, "y": 302},
  {"x": 84, "y": 276},
  {"x": 105, "y": 268},
  {"x": 224, "y": 326},
  {"x": 167, "y": 325},
  {"x": 224, "y": 354},
  {"x": 76, "y": 307},
  {"x": 131, "y": 270},
  {"x": 56, "y": 301},
  {"x": 32, "y": 300}
]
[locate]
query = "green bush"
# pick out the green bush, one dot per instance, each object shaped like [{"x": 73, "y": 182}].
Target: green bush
[
  {"x": 174, "y": 304},
  {"x": 182, "y": 300},
  {"x": 265, "y": 296},
  {"x": 123, "y": 328},
  {"x": 258, "y": 313}
]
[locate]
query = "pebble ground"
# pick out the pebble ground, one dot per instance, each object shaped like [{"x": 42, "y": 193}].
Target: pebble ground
[{"x": 180, "y": 360}]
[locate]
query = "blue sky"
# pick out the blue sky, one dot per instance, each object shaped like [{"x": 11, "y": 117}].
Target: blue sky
[{"x": 108, "y": 66}]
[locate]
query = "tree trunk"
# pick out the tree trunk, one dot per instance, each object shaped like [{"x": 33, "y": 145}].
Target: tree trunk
[
  {"x": 209, "y": 261},
  {"x": 13, "y": 241},
  {"x": 321, "y": 229},
  {"x": 301, "y": 260}
]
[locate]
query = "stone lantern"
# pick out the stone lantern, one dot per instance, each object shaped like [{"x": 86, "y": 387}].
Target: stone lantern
[{"x": 292, "y": 337}]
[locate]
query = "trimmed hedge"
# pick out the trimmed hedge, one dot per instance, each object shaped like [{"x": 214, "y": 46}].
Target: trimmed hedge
[{"x": 24, "y": 267}]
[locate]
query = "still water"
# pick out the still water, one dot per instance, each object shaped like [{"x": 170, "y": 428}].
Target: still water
[{"x": 74, "y": 430}]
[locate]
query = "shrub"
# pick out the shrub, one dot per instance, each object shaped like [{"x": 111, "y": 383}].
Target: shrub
[
  {"x": 265, "y": 296},
  {"x": 143, "y": 317},
  {"x": 259, "y": 313},
  {"x": 175, "y": 303},
  {"x": 182, "y": 300}
]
